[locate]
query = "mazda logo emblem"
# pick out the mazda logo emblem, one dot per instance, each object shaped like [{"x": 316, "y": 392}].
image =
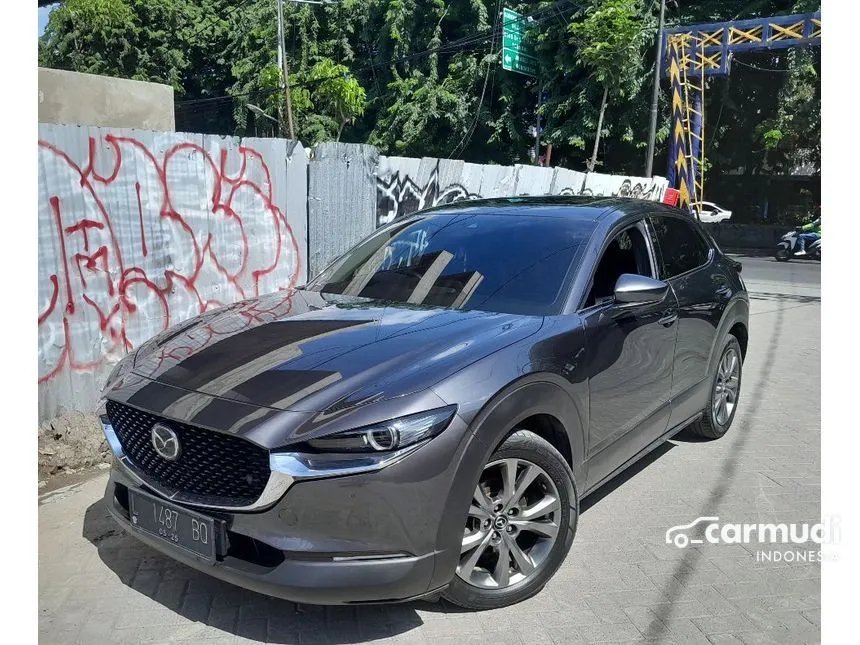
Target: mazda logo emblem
[{"x": 165, "y": 442}]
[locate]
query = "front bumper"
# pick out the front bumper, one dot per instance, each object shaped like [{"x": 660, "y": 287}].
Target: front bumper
[{"x": 375, "y": 537}]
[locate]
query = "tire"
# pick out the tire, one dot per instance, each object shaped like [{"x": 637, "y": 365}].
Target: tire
[
  {"x": 716, "y": 419},
  {"x": 782, "y": 254},
  {"x": 469, "y": 587}
]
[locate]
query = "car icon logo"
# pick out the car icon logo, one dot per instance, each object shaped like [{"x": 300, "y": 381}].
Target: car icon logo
[
  {"x": 165, "y": 442},
  {"x": 678, "y": 535}
]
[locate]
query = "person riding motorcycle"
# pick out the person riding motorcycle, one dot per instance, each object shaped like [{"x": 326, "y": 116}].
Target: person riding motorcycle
[{"x": 809, "y": 233}]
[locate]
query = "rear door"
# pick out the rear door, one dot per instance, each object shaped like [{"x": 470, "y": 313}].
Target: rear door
[{"x": 686, "y": 262}]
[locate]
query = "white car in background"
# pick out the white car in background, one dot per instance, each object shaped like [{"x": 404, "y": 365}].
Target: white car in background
[{"x": 712, "y": 213}]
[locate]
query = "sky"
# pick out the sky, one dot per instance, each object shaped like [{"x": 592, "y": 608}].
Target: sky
[{"x": 43, "y": 17}]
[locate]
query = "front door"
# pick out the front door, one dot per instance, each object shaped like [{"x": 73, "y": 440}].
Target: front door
[{"x": 630, "y": 358}]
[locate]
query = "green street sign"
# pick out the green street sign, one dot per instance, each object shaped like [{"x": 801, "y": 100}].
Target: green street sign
[
  {"x": 514, "y": 61},
  {"x": 517, "y": 56}
]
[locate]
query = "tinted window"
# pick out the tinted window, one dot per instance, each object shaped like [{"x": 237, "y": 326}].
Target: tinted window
[
  {"x": 627, "y": 253},
  {"x": 681, "y": 246},
  {"x": 463, "y": 260}
]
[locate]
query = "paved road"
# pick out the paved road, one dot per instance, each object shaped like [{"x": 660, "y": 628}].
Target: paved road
[
  {"x": 621, "y": 582},
  {"x": 799, "y": 273}
]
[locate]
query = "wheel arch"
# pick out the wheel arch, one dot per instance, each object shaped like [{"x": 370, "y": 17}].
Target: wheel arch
[
  {"x": 735, "y": 317},
  {"x": 541, "y": 402}
]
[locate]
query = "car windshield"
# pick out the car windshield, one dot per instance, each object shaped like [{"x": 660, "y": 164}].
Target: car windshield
[{"x": 464, "y": 260}]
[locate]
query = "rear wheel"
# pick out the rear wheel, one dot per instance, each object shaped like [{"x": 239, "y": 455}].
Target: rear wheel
[
  {"x": 520, "y": 525},
  {"x": 725, "y": 391}
]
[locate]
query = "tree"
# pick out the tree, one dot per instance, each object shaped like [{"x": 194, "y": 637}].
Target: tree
[
  {"x": 335, "y": 99},
  {"x": 431, "y": 79},
  {"x": 137, "y": 39},
  {"x": 610, "y": 39}
]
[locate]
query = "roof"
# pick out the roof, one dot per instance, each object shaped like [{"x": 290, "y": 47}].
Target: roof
[{"x": 585, "y": 207}]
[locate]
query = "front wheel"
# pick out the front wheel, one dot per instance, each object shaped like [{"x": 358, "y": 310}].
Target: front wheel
[
  {"x": 782, "y": 254},
  {"x": 519, "y": 527}
]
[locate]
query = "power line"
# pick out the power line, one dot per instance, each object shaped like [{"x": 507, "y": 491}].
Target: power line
[{"x": 458, "y": 149}]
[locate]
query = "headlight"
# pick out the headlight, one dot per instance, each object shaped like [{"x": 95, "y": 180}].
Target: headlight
[
  {"x": 387, "y": 436},
  {"x": 364, "y": 449}
]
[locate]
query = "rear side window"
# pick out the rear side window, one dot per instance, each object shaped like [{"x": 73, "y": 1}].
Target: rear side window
[{"x": 681, "y": 246}]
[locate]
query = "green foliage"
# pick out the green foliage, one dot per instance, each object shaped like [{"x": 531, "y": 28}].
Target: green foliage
[
  {"x": 138, "y": 39},
  {"x": 771, "y": 138},
  {"x": 609, "y": 41},
  {"x": 424, "y": 78},
  {"x": 335, "y": 101},
  {"x": 794, "y": 132}
]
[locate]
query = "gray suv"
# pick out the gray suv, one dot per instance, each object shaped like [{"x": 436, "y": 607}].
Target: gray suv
[{"x": 424, "y": 417}]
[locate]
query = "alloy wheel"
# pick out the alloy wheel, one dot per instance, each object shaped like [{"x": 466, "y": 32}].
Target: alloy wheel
[
  {"x": 726, "y": 386},
  {"x": 512, "y": 525}
]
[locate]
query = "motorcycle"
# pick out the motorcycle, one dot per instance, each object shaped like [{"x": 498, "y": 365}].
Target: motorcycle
[{"x": 789, "y": 247}]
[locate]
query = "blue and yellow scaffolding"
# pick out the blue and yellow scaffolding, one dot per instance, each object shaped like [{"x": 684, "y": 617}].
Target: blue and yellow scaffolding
[{"x": 695, "y": 52}]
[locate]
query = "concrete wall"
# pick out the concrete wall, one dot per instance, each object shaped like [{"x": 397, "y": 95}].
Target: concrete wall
[
  {"x": 140, "y": 230},
  {"x": 88, "y": 99},
  {"x": 405, "y": 185}
]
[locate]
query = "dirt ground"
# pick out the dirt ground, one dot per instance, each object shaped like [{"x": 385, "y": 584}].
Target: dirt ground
[{"x": 71, "y": 443}]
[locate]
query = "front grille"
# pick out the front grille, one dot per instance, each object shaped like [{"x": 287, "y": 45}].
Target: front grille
[{"x": 213, "y": 468}]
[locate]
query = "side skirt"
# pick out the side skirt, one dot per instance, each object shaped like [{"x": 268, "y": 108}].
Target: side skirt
[{"x": 654, "y": 444}]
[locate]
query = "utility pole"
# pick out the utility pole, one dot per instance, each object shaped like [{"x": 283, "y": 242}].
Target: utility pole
[
  {"x": 591, "y": 164},
  {"x": 537, "y": 124},
  {"x": 282, "y": 58},
  {"x": 655, "y": 95}
]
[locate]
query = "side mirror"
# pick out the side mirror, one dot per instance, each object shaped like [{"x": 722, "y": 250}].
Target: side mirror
[{"x": 631, "y": 289}]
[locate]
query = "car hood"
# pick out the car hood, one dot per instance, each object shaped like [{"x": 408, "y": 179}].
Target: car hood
[{"x": 311, "y": 352}]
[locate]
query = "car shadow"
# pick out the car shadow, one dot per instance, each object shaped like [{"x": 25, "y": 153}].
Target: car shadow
[
  {"x": 624, "y": 476},
  {"x": 217, "y": 604},
  {"x": 740, "y": 433}
]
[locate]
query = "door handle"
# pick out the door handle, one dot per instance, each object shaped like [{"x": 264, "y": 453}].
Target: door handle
[
  {"x": 669, "y": 318},
  {"x": 724, "y": 290}
]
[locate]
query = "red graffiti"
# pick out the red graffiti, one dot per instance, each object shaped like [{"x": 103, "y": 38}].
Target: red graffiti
[{"x": 141, "y": 239}]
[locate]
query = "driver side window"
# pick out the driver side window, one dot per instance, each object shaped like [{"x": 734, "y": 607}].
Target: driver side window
[{"x": 627, "y": 253}]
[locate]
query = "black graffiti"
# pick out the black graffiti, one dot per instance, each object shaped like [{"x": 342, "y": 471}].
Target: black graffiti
[
  {"x": 399, "y": 195},
  {"x": 639, "y": 190},
  {"x": 570, "y": 191}
]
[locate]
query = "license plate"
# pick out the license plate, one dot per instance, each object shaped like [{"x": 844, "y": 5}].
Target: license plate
[{"x": 174, "y": 524}]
